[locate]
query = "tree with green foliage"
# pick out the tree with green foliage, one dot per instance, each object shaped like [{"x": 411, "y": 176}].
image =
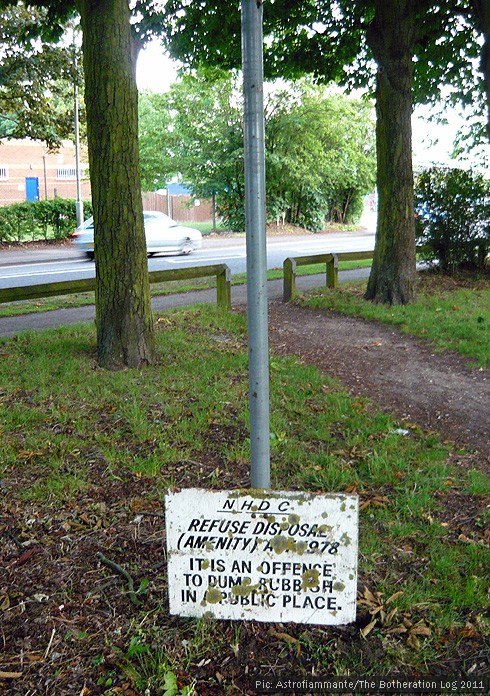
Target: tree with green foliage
[
  {"x": 480, "y": 17},
  {"x": 111, "y": 41},
  {"x": 124, "y": 317},
  {"x": 155, "y": 141},
  {"x": 418, "y": 45},
  {"x": 453, "y": 217},
  {"x": 36, "y": 79},
  {"x": 320, "y": 155},
  {"x": 208, "y": 140},
  {"x": 319, "y": 147}
]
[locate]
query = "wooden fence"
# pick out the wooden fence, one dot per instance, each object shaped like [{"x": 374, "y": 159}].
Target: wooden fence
[
  {"x": 68, "y": 287},
  {"x": 331, "y": 262},
  {"x": 179, "y": 207}
]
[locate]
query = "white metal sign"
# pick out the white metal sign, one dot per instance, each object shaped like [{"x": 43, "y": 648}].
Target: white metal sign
[{"x": 267, "y": 556}]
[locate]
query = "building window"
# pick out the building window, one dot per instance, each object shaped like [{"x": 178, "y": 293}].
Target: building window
[
  {"x": 67, "y": 173},
  {"x": 4, "y": 172}
]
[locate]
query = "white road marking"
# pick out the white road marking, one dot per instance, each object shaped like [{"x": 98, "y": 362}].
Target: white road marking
[
  {"x": 43, "y": 273},
  {"x": 215, "y": 258}
]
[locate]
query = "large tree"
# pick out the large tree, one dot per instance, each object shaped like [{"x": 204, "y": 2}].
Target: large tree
[
  {"x": 480, "y": 16},
  {"x": 155, "y": 141},
  {"x": 124, "y": 322},
  {"x": 391, "y": 37},
  {"x": 124, "y": 318},
  {"x": 322, "y": 37}
]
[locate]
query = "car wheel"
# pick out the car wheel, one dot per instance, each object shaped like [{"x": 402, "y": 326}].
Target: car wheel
[
  {"x": 186, "y": 247},
  {"x": 90, "y": 255}
]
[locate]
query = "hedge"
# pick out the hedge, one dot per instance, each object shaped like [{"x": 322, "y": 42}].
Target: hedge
[{"x": 40, "y": 220}]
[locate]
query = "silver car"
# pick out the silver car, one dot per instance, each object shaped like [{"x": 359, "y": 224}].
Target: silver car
[{"x": 163, "y": 235}]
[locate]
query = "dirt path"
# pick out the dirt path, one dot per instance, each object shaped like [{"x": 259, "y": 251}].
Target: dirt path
[{"x": 437, "y": 391}]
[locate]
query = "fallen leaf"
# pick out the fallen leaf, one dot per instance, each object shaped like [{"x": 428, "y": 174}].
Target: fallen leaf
[
  {"x": 469, "y": 631},
  {"x": 367, "y": 629},
  {"x": 40, "y": 597},
  {"x": 391, "y": 615},
  {"x": 377, "y": 500},
  {"x": 33, "y": 657},
  {"x": 369, "y": 597},
  {"x": 24, "y": 455},
  {"x": 26, "y": 555},
  {"x": 420, "y": 629},
  {"x": 413, "y": 642},
  {"x": 394, "y": 596},
  {"x": 290, "y": 640}
]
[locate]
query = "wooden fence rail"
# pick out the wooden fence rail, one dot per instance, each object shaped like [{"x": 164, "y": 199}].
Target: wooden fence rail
[
  {"x": 69, "y": 287},
  {"x": 331, "y": 262}
]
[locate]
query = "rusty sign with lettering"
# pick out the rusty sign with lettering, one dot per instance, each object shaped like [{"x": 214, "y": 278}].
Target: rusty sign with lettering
[{"x": 267, "y": 556}]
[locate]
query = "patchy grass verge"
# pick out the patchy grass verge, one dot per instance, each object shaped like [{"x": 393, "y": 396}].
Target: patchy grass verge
[
  {"x": 87, "y": 456},
  {"x": 452, "y": 312}
]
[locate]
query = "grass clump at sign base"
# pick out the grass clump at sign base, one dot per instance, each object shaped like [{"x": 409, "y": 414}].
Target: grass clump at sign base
[{"x": 87, "y": 456}]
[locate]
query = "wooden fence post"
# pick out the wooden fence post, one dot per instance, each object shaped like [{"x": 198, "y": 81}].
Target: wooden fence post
[
  {"x": 289, "y": 282},
  {"x": 223, "y": 288},
  {"x": 333, "y": 271}
]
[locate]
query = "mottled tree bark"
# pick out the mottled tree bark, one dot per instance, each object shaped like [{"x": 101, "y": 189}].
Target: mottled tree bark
[
  {"x": 391, "y": 38},
  {"x": 125, "y": 334}
]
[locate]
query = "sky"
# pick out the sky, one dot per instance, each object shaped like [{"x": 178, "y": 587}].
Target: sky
[
  {"x": 154, "y": 70},
  {"x": 432, "y": 142}
]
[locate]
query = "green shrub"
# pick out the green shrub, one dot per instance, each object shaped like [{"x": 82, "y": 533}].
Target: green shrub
[
  {"x": 453, "y": 217},
  {"x": 40, "y": 220},
  {"x": 17, "y": 223}
]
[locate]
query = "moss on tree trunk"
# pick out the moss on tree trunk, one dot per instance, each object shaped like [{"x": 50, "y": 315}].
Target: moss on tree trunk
[
  {"x": 125, "y": 334},
  {"x": 391, "y": 38}
]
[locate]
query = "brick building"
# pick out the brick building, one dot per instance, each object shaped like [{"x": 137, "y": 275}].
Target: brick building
[{"x": 28, "y": 171}]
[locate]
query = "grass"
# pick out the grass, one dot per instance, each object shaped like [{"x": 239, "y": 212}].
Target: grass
[
  {"x": 207, "y": 227},
  {"x": 82, "y": 450},
  {"x": 451, "y": 313}
]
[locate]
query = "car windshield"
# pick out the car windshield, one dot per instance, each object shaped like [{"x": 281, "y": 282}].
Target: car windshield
[
  {"x": 163, "y": 219},
  {"x": 88, "y": 224}
]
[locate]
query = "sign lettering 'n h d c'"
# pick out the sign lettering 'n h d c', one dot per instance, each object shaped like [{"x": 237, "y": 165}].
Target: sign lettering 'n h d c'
[{"x": 266, "y": 556}]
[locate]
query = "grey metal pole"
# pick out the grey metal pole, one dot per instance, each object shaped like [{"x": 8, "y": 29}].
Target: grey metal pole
[
  {"x": 255, "y": 224},
  {"x": 79, "y": 202}
]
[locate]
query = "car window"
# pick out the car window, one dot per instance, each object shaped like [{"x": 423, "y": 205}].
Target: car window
[
  {"x": 88, "y": 224},
  {"x": 163, "y": 219}
]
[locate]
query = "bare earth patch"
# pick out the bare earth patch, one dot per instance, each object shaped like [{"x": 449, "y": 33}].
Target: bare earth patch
[{"x": 435, "y": 391}]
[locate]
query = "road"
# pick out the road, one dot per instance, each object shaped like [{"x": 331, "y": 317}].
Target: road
[{"x": 28, "y": 266}]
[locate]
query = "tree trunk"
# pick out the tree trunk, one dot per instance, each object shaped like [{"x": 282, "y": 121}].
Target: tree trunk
[
  {"x": 125, "y": 333},
  {"x": 391, "y": 38}
]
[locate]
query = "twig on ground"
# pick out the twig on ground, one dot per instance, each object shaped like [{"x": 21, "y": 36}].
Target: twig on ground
[{"x": 124, "y": 573}]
